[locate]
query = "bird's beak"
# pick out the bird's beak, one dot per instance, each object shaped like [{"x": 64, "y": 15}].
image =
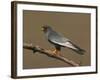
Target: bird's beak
[{"x": 42, "y": 29}]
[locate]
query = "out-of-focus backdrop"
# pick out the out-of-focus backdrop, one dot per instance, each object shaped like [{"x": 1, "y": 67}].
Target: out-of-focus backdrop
[{"x": 75, "y": 26}]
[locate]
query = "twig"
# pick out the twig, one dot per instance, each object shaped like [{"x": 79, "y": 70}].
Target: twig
[{"x": 49, "y": 53}]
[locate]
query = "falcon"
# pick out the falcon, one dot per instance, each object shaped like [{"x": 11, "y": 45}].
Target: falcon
[{"x": 60, "y": 41}]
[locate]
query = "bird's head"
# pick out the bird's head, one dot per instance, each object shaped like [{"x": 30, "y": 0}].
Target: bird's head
[{"x": 46, "y": 28}]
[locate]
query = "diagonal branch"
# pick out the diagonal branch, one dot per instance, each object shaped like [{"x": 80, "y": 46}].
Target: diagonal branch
[{"x": 49, "y": 53}]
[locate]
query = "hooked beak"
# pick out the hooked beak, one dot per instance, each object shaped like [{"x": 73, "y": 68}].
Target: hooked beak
[{"x": 42, "y": 29}]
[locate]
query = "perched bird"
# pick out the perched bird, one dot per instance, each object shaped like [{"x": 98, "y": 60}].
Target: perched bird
[{"x": 60, "y": 41}]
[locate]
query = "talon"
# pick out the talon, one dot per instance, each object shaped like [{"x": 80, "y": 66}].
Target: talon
[{"x": 56, "y": 52}]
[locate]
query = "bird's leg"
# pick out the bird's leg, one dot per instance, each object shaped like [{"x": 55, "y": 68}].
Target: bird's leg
[{"x": 56, "y": 52}]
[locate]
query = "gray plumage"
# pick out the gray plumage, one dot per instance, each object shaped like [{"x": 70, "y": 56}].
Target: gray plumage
[{"x": 60, "y": 41}]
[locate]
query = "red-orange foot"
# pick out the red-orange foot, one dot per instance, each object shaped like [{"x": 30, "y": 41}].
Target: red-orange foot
[{"x": 56, "y": 52}]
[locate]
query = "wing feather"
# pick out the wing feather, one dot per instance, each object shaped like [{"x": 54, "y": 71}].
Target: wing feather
[{"x": 58, "y": 39}]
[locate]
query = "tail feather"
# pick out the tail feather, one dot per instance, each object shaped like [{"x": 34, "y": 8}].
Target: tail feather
[{"x": 77, "y": 49}]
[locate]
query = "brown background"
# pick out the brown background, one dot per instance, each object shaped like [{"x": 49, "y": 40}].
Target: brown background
[{"x": 75, "y": 26}]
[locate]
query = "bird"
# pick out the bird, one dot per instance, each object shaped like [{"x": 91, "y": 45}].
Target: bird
[{"x": 60, "y": 41}]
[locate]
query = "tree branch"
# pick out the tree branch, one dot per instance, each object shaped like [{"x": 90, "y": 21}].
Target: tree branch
[{"x": 49, "y": 53}]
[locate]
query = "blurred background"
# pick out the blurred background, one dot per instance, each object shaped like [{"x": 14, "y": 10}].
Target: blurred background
[{"x": 75, "y": 26}]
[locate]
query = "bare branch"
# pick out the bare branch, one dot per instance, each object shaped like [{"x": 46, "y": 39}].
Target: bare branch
[{"x": 49, "y": 53}]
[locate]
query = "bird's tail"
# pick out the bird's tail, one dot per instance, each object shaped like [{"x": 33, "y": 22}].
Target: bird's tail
[{"x": 77, "y": 49}]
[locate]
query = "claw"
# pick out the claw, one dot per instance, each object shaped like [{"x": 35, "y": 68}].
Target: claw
[{"x": 56, "y": 52}]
